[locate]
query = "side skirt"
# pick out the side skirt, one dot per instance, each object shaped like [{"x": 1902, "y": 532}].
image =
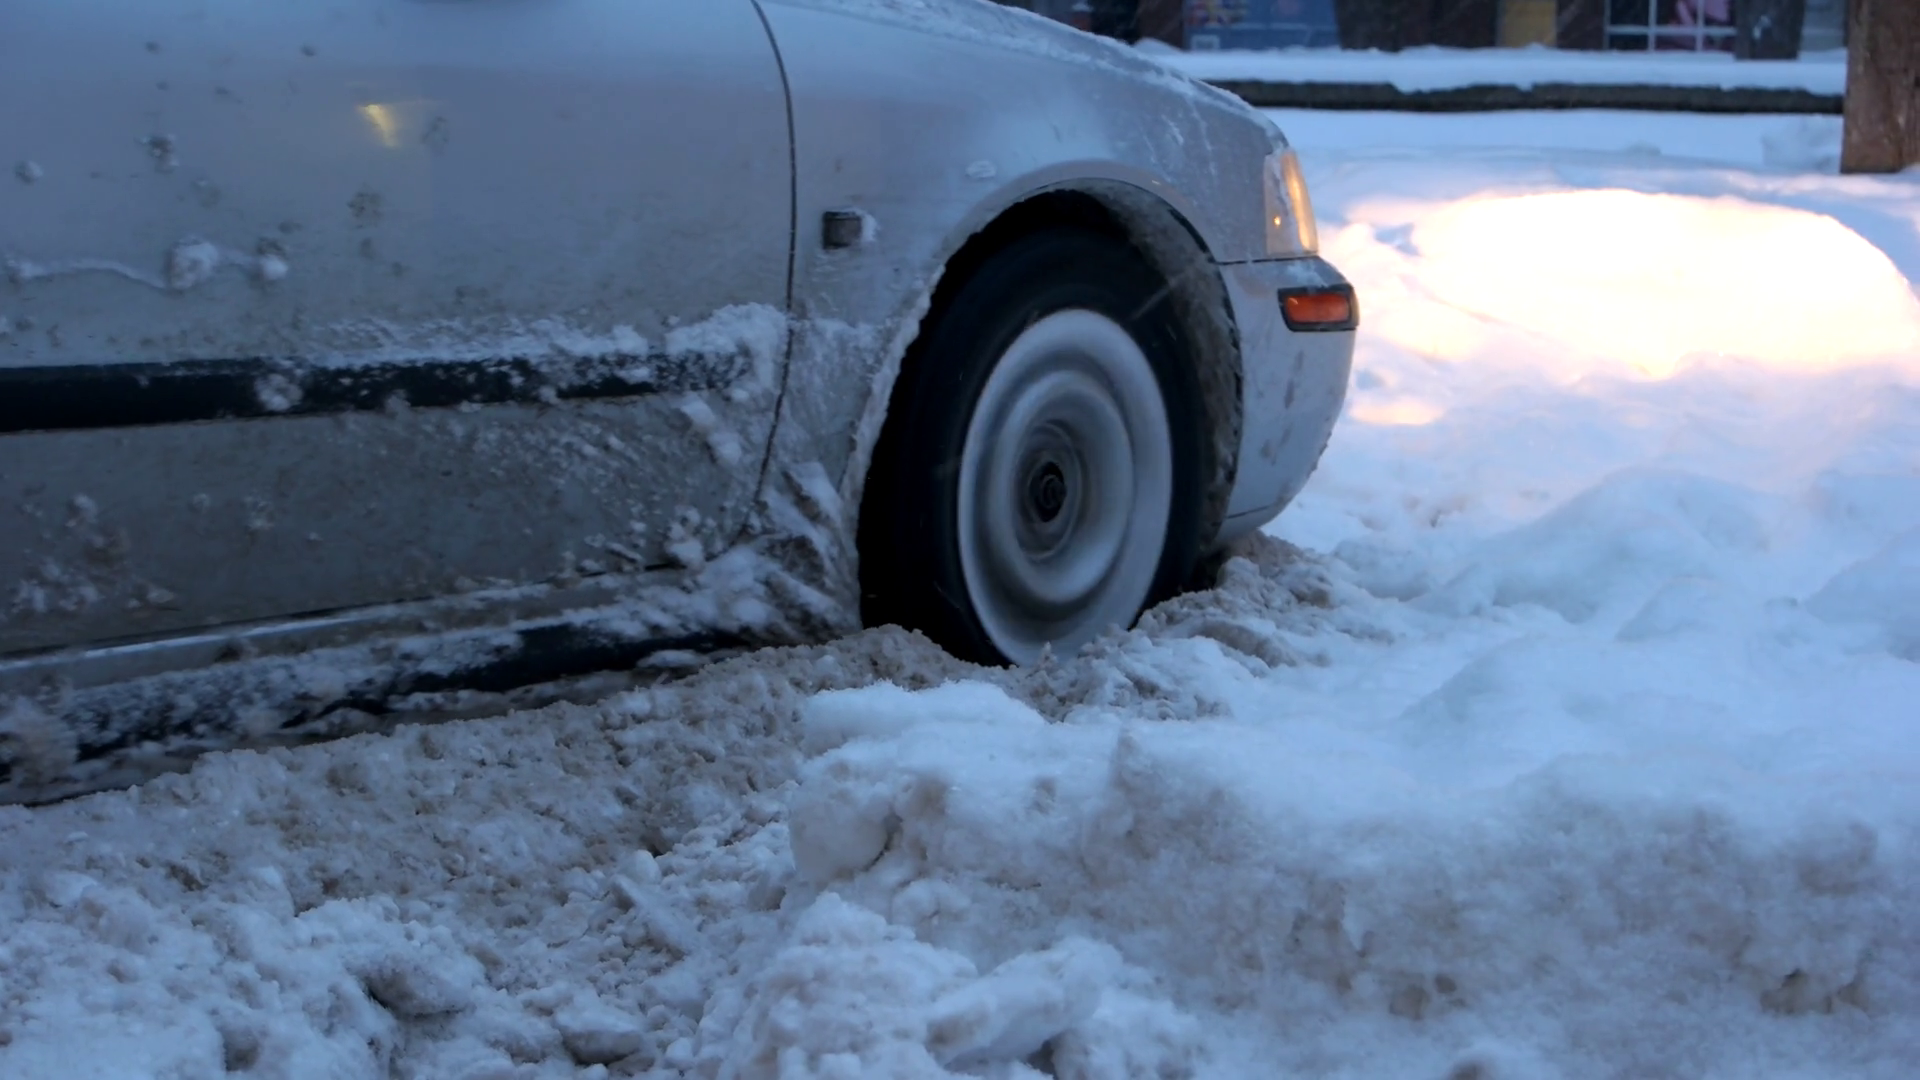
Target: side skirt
[{"x": 74, "y": 722}]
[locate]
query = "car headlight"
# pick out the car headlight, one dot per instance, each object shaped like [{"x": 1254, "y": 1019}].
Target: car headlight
[{"x": 1290, "y": 229}]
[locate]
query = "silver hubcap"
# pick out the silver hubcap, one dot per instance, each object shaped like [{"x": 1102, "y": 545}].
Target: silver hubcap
[{"x": 1066, "y": 478}]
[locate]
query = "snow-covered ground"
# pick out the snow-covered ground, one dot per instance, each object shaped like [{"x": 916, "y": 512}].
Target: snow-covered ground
[
  {"x": 1797, "y": 143},
  {"x": 1435, "y": 68},
  {"x": 1565, "y": 727}
]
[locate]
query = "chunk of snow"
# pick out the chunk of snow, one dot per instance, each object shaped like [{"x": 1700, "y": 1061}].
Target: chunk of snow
[
  {"x": 835, "y": 718},
  {"x": 722, "y": 441},
  {"x": 686, "y": 547},
  {"x": 1017, "y": 1008},
  {"x": 852, "y": 995},
  {"x": 596, "y": 1034},
  {"x": 190, "y": 263},
  {"x": 841, "y": 830},
  {"x": 755, "y": 330},
  {"x": 277, "y": 392}
]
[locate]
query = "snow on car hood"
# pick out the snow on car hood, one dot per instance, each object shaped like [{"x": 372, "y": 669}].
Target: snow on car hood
[{"x": 1021, "y": 31}]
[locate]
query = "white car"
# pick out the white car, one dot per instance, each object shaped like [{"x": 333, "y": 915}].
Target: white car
[{"x": 360, "y": 350}]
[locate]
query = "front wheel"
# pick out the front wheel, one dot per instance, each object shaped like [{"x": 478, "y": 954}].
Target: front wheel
[{"x": 1038, "y": 479}]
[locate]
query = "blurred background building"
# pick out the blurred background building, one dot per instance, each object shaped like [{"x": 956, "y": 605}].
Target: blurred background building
[{"x": 1755, "y": 28}]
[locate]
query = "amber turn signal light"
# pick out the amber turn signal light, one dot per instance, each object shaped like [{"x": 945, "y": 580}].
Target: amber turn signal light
[{"x": 1320, "y": 308}]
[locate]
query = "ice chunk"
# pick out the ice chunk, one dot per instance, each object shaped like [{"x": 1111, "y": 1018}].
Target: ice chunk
[
  {"x": 598, "y": 1034},
  {"x": 1015, "y": 1009},
  {"x": 836, "y": 717},
  {"x": 847, "y": 996},
  {"x": 841, "y": 828}
]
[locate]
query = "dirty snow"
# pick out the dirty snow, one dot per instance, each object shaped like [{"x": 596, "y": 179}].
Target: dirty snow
[{"x": 1562, "y": 728}]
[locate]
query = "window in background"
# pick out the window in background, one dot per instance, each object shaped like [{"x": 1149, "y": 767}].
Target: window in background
[
  {"x": 1688, "y": 25},
  {"x": 1825, "y": 26}
]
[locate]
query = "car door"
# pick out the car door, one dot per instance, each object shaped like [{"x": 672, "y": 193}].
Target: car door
[{"x": 315, "y": 306}]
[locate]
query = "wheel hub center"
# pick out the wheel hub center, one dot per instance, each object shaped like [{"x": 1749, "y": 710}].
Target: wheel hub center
[{"x": 1047, "y": 491}]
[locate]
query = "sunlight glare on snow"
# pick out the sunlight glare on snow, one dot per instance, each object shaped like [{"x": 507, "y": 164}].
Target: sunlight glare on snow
[
  {"x": 1651, "y": 281},
  {"x": 1396, "y": 412}
]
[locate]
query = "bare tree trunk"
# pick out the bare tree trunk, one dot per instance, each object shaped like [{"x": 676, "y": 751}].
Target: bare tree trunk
[{"x": 1883, "y": 87}]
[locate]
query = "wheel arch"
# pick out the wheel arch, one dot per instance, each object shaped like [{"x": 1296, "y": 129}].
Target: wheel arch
[{"x": 1178, "y": 253}]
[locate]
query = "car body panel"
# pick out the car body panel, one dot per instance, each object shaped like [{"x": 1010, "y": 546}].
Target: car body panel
[
  {"x": 934, "y": 118},
  {"x": 1294, "y": 385},
  {"x": 305, "y": 201}
]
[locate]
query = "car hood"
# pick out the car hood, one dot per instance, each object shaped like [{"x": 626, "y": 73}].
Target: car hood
[{"x": 1016, "y": 30}]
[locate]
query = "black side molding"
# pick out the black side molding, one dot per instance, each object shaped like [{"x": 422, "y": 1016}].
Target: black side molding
[{"x": 91, "y": 396}]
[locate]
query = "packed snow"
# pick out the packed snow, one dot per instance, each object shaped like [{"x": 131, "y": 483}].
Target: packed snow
[
  {"x": 1803, "y": 143},
  {"x": 1437, "y": 68},
  {"x": 1563, "y": 727}
]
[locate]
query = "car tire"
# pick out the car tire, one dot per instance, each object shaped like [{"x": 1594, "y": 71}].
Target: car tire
[{"x": 1038, "y": 479}]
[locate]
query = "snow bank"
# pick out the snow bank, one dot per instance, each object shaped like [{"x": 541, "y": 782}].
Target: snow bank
[
  {"x": 1483, "y": 271},
  {"x": 1586, "y": 751},
  {"x": 1254, "y": 874},
  {"x": 1653, "y": 279},
  {"x": 526, "y": 896},
  {"x": 1435, "y": 68},
  {"x": 1796, "y": 143}
]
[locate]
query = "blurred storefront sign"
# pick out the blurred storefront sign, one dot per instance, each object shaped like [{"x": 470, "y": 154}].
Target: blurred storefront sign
[{"x": 1261, "y": 24}]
